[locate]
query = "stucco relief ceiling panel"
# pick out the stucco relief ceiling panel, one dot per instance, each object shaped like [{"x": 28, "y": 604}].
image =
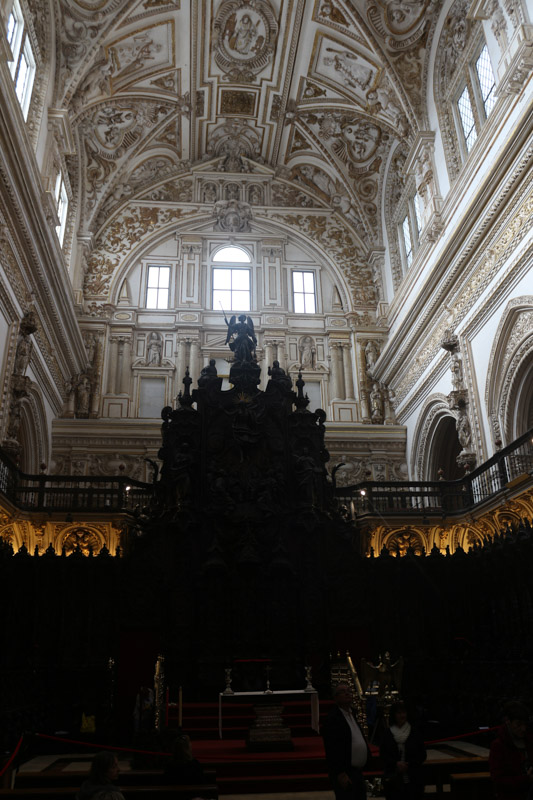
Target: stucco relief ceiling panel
[
  {"x": 149, "y": 8},
  {"x": 142, "y": 53},
  {"x": 244, "y": 36},
  {"x": 349, "y": 72},
  {"x": 340, "y": 17}
]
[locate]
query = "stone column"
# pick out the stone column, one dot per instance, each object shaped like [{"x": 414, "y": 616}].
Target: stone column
[
  {"x": 118, "y": 367},
  {"x": 349, "y": 393},
  {"x": 282, "y": 355},
  {"x": 113, "y": 361},
  {"x": 268, "y": 350},
  {"x": 125, "y": 371},
  {"x": 336, "y": 382},
  {"x": 193, "y": 367}
]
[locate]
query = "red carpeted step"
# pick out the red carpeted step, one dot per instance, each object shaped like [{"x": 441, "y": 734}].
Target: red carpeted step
[{"x": 273, "y": 783}]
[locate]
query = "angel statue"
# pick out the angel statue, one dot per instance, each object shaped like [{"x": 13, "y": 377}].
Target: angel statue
[{"x": 241, "y": 337}]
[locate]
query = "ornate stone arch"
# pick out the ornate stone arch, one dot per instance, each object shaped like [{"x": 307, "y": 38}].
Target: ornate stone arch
[
  {"x": 508, "y": 391},
  {"x": 86, "y": 537},
  {"x": 399, "y": 540},
  {"x": 33, "y": 433},
  {"x": 427, "y": 436}
]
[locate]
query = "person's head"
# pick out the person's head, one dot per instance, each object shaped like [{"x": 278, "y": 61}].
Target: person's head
[
  {"x": 342, "y": 695},
  {"x": 181, "y": 749},
  {"x": 104, "y": 767},
  {"x": 398, "y": 714},
  {"x": 515, "y": 715}
]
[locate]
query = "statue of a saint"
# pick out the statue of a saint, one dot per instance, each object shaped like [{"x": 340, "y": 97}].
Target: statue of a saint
[
  {"x": 376, "y": 403},
  {"x": 241, "y": 337},
  {"x": 464, "y": 431},
  {"x": 371, "y": 356},
  {"x": 22, "y": 356},
  {"x": 457, "y": 373},
  {"x": 84, "y": 394},
  {"x": 153, "y": 350}
]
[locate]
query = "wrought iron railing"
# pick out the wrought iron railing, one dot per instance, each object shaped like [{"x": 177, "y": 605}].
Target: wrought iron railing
[
  {"x": 71, "y": 493},
  {"x": 121, "y": 494},
  {"x": 422, "y": 498}
]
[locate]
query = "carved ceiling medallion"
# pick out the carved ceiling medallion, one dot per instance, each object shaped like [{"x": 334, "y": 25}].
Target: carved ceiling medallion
[
  {"x": 400, "y": 23},
  {"x": 245, "y": 33}
]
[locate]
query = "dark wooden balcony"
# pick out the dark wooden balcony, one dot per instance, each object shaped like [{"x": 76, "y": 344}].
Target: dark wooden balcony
[{"x": 506, "y": 470}]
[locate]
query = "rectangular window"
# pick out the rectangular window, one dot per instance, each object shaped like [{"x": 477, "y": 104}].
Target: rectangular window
[
  {"x": 15, "y": 30},
  {"x": 303, "y": 292},
  {"x": 158, "y": 287},
  {"x": 407, "y": 242},
  {"x": 61, "y": 207},
  {"x": 22, "y": 67},
  {"x": 231, "y": 289},
  {"x": 151, "y": 397},
  {"x": 487, "y": 84},
  {"x": 467, "y": 118}
]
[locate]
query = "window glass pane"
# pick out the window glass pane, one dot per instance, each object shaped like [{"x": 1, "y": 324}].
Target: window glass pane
[
  {"x": 299, "y": 305},
  {"x": 22, "y": 77},
  {"x": 303, "y": 284},
  {"x": 231, "y": 288},
  {"x": 222, "y": 278},
  {"x": 159, "y": 277},
  {"x": 407, "y": 241},
  {"x": 62, "y": 208},
  {"x": 240, "y": 279},
  {"x": 164, "y": 277},
  {"x": 222, "y": 298},
  {"x": 151, "y": 298},
  {"x": 467, "y": 118},
  {"x": 153, "y": 276},
  {"x": 486, "y": 80},
  {"x": 309, "y": 283},
  {"x": 157, "y": 292},
  {"x": 418, "y": 212},
  {"x": 11, "y": 28},
  {"x": 310, "y": 304},
  {"x": 298, "y": 281},
  {"x": 162, "y": 298},
  {"x": 236, "y": 254},
  {"x": 240, "y": 301}
]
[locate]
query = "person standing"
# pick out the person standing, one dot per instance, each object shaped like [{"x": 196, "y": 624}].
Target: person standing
[
  {"x": 402, "y": 753},
  {"x": 511, "y": 755},
  {"x": 346, "y": 747}
]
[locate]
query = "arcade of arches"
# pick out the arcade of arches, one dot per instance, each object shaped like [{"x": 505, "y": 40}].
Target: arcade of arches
[{"x": 353, "y": 175}]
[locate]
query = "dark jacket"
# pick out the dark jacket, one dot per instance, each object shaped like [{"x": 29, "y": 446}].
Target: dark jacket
[
  {"x": 89, "y": 789},
  {"x": 508, "y": 766},
  {"x": 338, "y": 742},
  {"x": 185, "y": 773},
  {"x": 415, "y": 755}
]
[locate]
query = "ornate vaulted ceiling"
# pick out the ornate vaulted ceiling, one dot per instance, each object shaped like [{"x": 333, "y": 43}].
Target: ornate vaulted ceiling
[{"x": 318, "y": 91}]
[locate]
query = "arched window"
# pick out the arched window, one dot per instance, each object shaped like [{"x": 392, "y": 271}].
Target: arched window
[{"x": 231, "y": 279}]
